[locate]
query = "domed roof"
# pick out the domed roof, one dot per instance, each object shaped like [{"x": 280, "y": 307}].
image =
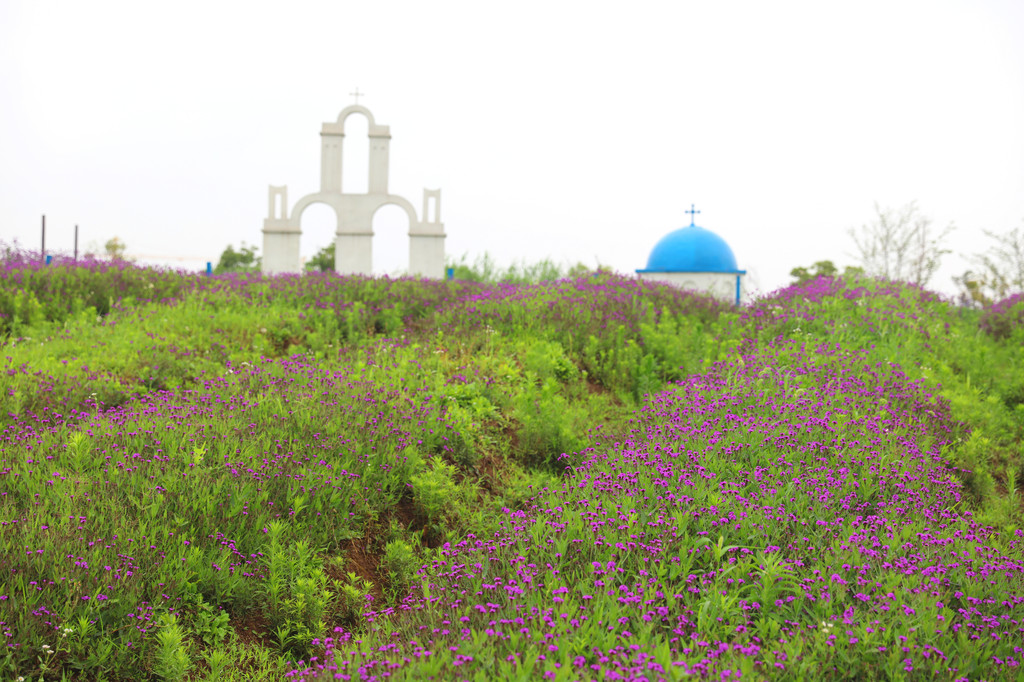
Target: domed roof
[{"x": 691, "y": 249}]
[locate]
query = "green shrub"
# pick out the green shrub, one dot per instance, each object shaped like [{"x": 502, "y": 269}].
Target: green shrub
[
  {"x": 172, "y": 653},
  {"x": 401, "y": 563},
  {"x": 547, "y": 360},
  {"x": 435, "y": 489},
  {"x": 295, "y": 591},
  {"x": 549, "y": 425}
]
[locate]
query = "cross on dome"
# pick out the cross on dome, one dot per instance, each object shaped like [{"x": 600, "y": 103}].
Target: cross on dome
[
  {"x": 691, "y": 212},
  {"x": 357, "y": 94}
]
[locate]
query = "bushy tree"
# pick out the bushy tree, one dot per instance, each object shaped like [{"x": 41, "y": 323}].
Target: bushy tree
[
  {"x": 997, "y": 273},
  {"x": 323, "y": 261},
  {"x": 242, "y": 260},
  {"x": 114, "y": 248},
  {"x": 900, "y": 244},
  {"x": 822, "y": 268}
]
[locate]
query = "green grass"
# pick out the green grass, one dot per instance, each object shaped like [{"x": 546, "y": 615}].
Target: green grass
[{"x": 206, "y": 483}]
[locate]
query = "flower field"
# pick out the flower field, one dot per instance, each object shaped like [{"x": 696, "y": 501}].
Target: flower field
[{"x": 319, "y": 477}]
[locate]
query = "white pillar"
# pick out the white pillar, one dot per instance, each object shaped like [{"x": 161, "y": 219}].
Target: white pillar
[
  {"x": 426, "y": 255},
  {"x": 332, "y": 136},
  {"x": 280, "y": 252},
  {"x": 280, "y": 239},
  {"x": 380, "y": 139},
  {"x": 353, "y": 254},
  {"x": 426, "y": 240}
]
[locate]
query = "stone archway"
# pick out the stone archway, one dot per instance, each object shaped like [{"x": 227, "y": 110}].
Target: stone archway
[{"x": 354, "y": 234}]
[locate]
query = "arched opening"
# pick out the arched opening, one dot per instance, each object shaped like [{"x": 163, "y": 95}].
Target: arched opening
[
  {"x": 431, "y": 207},
  {"x": 390, "y": 241},
  {"x": 355, "y": 155},
  {"x": 319, "y": 223}
]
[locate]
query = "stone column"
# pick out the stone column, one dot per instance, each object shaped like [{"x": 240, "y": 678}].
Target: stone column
[
  {"x": 280, "y": 248},
  {"x": 280, "y": 239},
  {"x": 380, "y": 139},
  {"x": 426, "y": 255},
  {"x": 426, "y": 240},
  {"x": 332, "y": 136},
  {"x": 353, "y": 253}
]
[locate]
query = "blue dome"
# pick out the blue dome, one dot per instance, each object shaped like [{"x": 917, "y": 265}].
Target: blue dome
[{"x": 691, "y": 249}]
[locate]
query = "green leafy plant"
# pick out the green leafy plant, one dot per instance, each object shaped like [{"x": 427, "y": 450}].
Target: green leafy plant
[
  {"x": 295, "y": 590},
  {"x": 400, "y": 562},
  {"x": 435, "y": 489},
  {"x": 352, "y": 596},
  {"x": 213, "y": 625},
  {"x": 172, "y": 653},
  {"x": 547, "y": 359},
  {"x": 549, "y": 424},
  {"x": 217, "y": 660}
]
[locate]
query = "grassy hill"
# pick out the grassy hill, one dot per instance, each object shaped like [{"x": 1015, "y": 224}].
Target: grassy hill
[{"x": 318, "y": 477}]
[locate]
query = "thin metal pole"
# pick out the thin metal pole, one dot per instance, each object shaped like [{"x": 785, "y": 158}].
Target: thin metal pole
[
  {"x": 43, "y": 248},
  {"x": 76, "y": 243}
]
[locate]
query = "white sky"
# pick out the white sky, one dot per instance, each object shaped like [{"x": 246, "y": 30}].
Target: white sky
[{"x": 578, "y": 131}]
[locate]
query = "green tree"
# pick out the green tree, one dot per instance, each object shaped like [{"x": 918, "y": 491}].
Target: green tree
[
  {"x": 243, "y": 260},
  {"x": 114, "y": 248},
  {"x": 900, "y": 244},
  {"x": 323, "y": 261},
  {"x": 822, "y": 268}
]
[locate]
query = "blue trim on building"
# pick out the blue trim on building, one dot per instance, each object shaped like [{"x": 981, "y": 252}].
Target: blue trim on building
[{"x": 702, "y": 272}]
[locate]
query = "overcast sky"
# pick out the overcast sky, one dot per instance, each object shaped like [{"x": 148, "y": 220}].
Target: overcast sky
[{"x": 578, "y": 131}]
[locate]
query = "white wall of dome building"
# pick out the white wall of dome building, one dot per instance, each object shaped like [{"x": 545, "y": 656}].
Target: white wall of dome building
[{"x": 728, "y": 287}]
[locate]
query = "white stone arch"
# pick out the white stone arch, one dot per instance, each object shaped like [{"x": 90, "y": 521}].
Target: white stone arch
[
  {"x": 354, "y": 234},
  {"x": 400, "y": 202},
  {"x": 355, "y": 109},
  {"x": 299, "y": 210},
  {"x": 356, "y": 148},
  {"x": 305, "y": 202}
]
